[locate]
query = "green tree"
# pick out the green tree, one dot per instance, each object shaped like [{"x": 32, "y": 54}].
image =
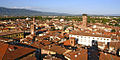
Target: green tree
[{"x": 113, "y": 30}]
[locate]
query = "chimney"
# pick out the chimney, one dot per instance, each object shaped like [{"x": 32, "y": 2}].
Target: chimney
[{"x": 84, "y": 22}]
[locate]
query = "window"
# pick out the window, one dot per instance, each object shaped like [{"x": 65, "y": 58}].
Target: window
[
  {"x": 81, "y": 36},
  {"x": 84, "y": 37}
]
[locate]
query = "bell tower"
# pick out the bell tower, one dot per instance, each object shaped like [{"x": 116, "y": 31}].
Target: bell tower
[
  {"x": 32, "y": 28},
  {"x": 84, "y": 22}
]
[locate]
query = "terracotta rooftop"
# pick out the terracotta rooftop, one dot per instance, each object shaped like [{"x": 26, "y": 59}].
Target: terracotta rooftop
[
  {"x": 3, "y": 48},
  {"x": 79, "y": 54},
  {"x": 88, "y": 34},
  {"x": 105, "y": 56},
  {"x": 67, "y": 42},
  {"x": 56, "y": 40},
  {"x": 45, "y": 42},
  {"x": 115, "y": 44},
  {"x": 51, "y": 58},
  {"x": 37, "y": 45},
  {"x": 11, "y": 32},
  {"x": 55, "y": 48},
  {"x": 19, "y": 52},
  {"x": 29, "y": 58},
  {"x": 101, "y": 43},
  {"x": 5, "y": 40}
]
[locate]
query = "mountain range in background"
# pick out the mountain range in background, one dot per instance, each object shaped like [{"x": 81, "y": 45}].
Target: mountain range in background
[{"x": 26, "y": 12}]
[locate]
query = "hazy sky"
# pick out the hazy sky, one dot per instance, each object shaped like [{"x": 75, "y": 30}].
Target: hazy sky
[{"x": 67, "y": 6}]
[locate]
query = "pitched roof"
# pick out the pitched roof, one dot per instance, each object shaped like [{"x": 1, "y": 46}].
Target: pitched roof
[
  {"x": 20, "y": 52},
  {"x": 115, "y": 44},
  {"x": 67, "y": 42},
  {"x": 88, "y": 34},
  {"x": 79, "y": 54},
  {"x": 3, "y": 48},
  {"x": 105, "y": 56},
  {"x": 55, "y": 48}
]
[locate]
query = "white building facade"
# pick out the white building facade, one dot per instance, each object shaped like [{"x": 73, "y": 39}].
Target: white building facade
[{"x": 87, "y": 40}]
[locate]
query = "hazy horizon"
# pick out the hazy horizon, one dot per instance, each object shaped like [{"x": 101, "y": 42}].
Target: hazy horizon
[{"x": 68, "y": 6}]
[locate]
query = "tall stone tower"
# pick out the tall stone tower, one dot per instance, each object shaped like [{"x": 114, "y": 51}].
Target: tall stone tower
[
  {"x": 84, "y": 22},
  {"x": 34, "y": 21},
  {"x": 32, "y": 28}
]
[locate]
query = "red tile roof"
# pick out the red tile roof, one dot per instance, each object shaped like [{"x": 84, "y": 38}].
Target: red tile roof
[
  {"x": 19, "y": 52},
  {"x": 105, "y": 56},
  {"x": 11, "y": 32},
  {"x": 115, "y": 44},
  {"x": 80, "y": 54},
  {"x": 55, "y": 48},
  {"x": 3, "y": 48},
  {"x": 67, "y": 42}
]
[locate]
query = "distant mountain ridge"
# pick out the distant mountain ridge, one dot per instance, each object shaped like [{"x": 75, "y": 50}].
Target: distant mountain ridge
[{"x": 26, "y": 12}]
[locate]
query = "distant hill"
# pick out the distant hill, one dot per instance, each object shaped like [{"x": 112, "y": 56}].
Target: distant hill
[
  {"x": 112, "y": 15},
  {"x": 25, "y": 12}
]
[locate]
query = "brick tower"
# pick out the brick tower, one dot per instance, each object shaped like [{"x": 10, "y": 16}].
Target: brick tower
[
  {"x": 34, "y": 21},
  {"x": 33, "y": 27},
  {"x": 84, "y": 22}
]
